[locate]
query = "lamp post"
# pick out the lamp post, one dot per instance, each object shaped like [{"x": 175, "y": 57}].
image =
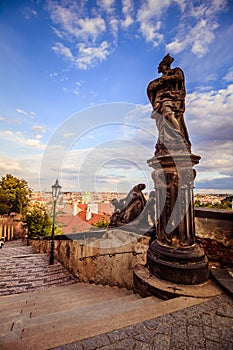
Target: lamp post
[{"x": 56, "y": 189}]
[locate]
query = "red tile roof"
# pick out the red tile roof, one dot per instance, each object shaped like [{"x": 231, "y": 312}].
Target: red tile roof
[{"x": 70, "y": 224}]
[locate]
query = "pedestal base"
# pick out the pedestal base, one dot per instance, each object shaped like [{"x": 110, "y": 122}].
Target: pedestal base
[
  {"x": 147, "y": 284},
  {"x": 186, "y": 265}
]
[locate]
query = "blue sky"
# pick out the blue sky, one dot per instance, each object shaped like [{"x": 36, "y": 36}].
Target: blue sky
[{"x": 73, "y": 101}]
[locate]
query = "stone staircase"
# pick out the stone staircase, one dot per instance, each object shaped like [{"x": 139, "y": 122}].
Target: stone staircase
[
  {"x": 49, "y": 318},
  {"x": 59, "y": 315},
  {"x": 21, "y": 270},
  {"x": 44, "y": 307}
]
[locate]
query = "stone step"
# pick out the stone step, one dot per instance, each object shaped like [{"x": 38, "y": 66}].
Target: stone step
[
  {"x": 35, "y": 329},
  {"x": 85, "y": 313},
  {"x": 74, "y": 302},
  {"x": 14, "y": 298},
  {"x": 82, "y": 309},
  {"x": 59, "y": 292},
  {"x": 64, "y": 294},
  {"x": 66, "y": 298},
  {"x": 78, "y": 326}
]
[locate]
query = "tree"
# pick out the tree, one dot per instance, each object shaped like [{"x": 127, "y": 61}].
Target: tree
[
  {"x": 14, "y": 193},
  {"x": 37, "y": 221},
  {"x": 4, "y": 200}
]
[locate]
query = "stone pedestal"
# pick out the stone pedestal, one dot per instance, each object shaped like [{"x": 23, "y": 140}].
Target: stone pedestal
[{"x": 174, "y": 255}]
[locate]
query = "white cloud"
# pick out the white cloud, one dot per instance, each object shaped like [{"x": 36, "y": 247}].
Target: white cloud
[
  {"x": 229, "y": 75},
  {"x": 201, "y": 36},
  {"x": 72, "y": 23},
  {"x": 209, "y": 121},
  {"x": 33, "y": 143},
  {"x": 176, "y": 46},
  {"x": 127, "y": 21},
  {"x": 27, "y": 168},
  {"x": 63, "y": 50},
  {"x": 7, "y": 133},
  {"x": 151, "y": 9},
  {"x": 19, "y": 138},
  {"x": 28, "y": 114},
  {"x": 198, "y": 38},
  {"x": 127, "y": 10},
  {"x": 151, "y": 33},
  {"x": 102, "y": 167},
  {"x": 197, "y": 28},
  {"x": 90, "y": 28},
  {"x": 148, "y": 17},
  {"x": 2, "y": 118},
  {"x": 39, "y": 128},
  {"x": 8, "y": 164},
  {"x": 114, "y": 24},
  {"x": 106, "y": 5},
  {"x": 80, "y": 27},
  {"x": 82, "y": 33},
  {"x": 89, "y": 55},
  {"x": 21, "y": 111}
]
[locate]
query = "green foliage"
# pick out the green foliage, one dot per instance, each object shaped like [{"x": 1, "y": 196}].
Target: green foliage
[
  {"x": 4, "y": 200},
  {"x": 101, "y": 224},
  {"x": 37, "y": 221},
  {"x": 224, "y": 205},
  {"x": 14, "y": 195}
]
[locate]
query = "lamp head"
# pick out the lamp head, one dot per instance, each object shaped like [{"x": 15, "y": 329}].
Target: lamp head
[{"x": 56, "y": 190}]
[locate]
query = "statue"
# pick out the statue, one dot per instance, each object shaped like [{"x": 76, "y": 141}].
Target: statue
[
  {"x": 167, "y": 96},
  {"x": 174, "y": 255},
  {"x": 129, "y": 208}
]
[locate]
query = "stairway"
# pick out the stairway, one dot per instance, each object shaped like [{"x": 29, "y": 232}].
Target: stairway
[
  {"x": 59, "y": 315},
  {"x": 44, "y": 319},
  {"x": 21, "y": 270},
  {"x": 43, "y": 306}
]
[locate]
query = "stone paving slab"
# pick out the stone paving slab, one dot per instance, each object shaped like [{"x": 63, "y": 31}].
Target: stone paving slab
[{"x": 21, "y": 270}]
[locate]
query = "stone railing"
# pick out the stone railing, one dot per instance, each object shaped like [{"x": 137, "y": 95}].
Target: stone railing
[{"x": 111, "y": 257}]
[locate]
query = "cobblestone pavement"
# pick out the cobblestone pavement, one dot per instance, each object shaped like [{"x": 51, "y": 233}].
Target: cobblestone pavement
[
  {"x": 21, "y": 270},
  {"x": 207, "y": 326}
]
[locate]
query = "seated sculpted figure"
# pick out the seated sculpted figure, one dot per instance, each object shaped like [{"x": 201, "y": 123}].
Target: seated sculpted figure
[
  {"x": 128, "y": 209},
  {"x": 167, "y": 96}
]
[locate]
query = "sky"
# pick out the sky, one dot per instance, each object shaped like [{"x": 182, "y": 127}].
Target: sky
[{"x": 73, "y": 102}]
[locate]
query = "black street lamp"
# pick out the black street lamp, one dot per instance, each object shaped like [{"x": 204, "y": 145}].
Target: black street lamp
[{"x": 56, "y": 190}]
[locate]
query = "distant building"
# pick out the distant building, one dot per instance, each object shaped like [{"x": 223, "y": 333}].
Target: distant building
[{"x": 81, "y": 217}]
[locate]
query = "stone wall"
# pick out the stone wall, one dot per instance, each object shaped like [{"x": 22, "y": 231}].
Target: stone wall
[
  {"x": 214, "y": 231},
  {"x": 109, "y": 260},
  {"x": 215, "y": 224}
]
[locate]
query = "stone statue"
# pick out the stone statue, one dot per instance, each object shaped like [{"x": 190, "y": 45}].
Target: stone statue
[
  {"x": 167, "y": 96},
  {"x": 174, "y": 255},
  {"x": 128, "y": 209}
]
